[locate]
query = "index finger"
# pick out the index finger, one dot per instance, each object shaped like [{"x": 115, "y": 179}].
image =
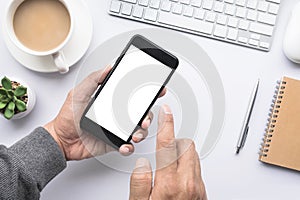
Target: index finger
[{"x": 166, "y": 152}]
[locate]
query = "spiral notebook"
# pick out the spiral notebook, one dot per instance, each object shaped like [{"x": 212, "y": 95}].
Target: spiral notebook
[{"x": 281, "y": 143}]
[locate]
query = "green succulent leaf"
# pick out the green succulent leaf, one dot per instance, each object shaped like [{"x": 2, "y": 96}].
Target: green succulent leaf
[
  {"x": 20, "y": 91},
  {"x": 4, "y": 100},
  {"x": 10, "y": 94},
  {"x": 3, "y": 92},
  {"x": 8, "y": 114},
  {"x": 11, "y": 106},
  {"x": 2, "y": 105},
  {"x": 6, "y": 83},
  {"x": 21, "y": 106}
]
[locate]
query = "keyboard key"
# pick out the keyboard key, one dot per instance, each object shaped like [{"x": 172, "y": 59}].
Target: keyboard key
[
  {"x": 274, "y": 1},
  {"x": 187, "y": 23},
  {"x": 166, "y": 5},
  {"x": 222, "y": 19},
  {"x": 232, "y": 22},
  {"x": 196, "y": 3},
  {"x": 253, "y": 42},
  {"x": 261, "y": 28},
  {"x": 220, "y": 31},
  {"x": 210, "y": 16},
  {"x": 252, "y": 4},
  {"x": 230, "y": 9},
  {"x": 188, "y": 11},
  {"x": 243, "y": 39},
  {"x": 252, "y": 15},
  {"x": 243, "y": 24},
  {"x": 255, "y": 36},
  {"x": 130, "y": 1},
  {"x": 266, "y": 18},
  {"x": 187, "y": 2},
  {"x": 207, "y": 4},
  {"x": 154, "y": 4},
  {"x": 138, "y": 11},
  {"x": 150, "y": 14},
  {"x": 199, "y": 14},
  {"x": 232, "y": 34},
  {"x": 240, "y": 2},
  {"x": 126, "y": 9},
  {"x": 273, "y": 8},
  {"x": 143, "y": 2},
  {"x": 229, "y": 1},
  {"x": 241, "y": 12},
  {"x": 262, "y": 6},
  {"x": 177, "y": 9},
  {"x": 264, "y": 45},
  {"x": 115, "y": 6},
  {"x": 219, "y": 7}
]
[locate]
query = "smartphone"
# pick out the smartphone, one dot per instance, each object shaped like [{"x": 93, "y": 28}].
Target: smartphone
[{"x": 143, "y": 67}]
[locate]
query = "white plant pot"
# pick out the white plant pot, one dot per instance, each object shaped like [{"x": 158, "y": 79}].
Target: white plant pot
[{"x": 31, "y": 99}]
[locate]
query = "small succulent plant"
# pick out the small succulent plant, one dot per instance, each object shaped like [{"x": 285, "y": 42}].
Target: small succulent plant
[{"x": 12, "y": 99}]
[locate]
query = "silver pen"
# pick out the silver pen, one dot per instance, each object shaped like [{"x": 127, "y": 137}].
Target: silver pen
[{"x": 245, "y": 127}]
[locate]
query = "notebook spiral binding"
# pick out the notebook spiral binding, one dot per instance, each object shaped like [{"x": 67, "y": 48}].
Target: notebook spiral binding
[{"x": 271, "y": 122}]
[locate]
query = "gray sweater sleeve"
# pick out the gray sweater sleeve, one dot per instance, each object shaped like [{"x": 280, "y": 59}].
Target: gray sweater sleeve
[{"x": 28, "y": 165}]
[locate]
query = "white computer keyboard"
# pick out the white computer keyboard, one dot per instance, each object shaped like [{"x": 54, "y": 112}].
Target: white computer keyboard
[{"x": 249, "y": 23}]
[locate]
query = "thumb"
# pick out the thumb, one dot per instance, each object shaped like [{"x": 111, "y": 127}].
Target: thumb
[
  {"x": 89, "y": 85},
  {"x": 141, "y": 180}
]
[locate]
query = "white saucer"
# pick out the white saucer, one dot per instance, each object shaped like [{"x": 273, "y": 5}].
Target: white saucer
[{"x": 73, "y": 51}]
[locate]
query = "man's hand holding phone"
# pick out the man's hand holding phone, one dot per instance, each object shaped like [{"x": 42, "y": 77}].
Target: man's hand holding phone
[
  {"x": 75, "y": 143},
  {"x": 178, "y": 174}
]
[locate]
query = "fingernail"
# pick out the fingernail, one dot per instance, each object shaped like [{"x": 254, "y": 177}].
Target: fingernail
[
  {"x": 138, "y": 136},
  {"x": 125, "y": 149},
  {"x": 166, "y": 109},
  {"x": 142, "y": 163},
  {"x": 108, "y": 68},
  {"x": 148, "y": 122}
]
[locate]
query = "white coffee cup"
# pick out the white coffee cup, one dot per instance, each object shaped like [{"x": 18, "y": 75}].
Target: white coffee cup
[{"x": 56, "y": 53}]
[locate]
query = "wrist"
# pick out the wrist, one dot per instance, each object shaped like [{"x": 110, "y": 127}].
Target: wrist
[{"x": 51, "y": 130}]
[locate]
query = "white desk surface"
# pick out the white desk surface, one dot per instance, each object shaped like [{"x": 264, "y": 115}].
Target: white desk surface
[{"x": 226, "y": 175}]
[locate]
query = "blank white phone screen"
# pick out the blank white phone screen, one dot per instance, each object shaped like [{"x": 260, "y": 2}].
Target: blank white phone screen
[{"x": 145, "y": 76}]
